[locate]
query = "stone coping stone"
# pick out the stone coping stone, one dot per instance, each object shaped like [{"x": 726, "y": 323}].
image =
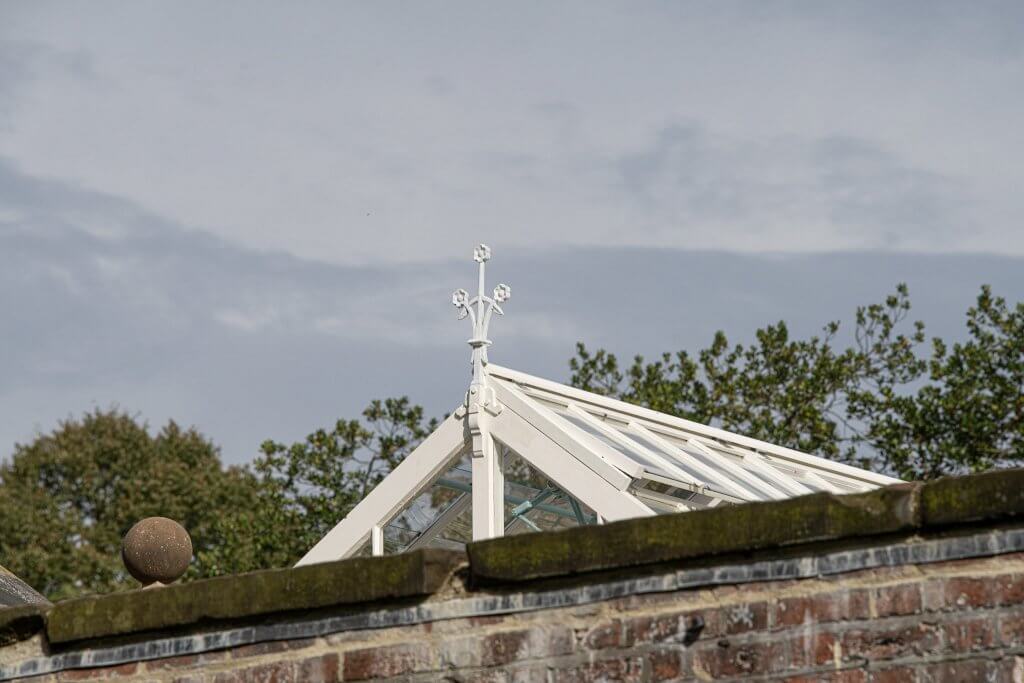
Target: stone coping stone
[
  {"x": 358, "y": 580},
  {"x": 690, "y": 536},
  {"x": 738, "y": 529},
  {"x": 21, "y": 622}
]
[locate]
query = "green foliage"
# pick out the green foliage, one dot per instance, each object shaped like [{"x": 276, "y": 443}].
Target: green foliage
[
  {"x": 883, "y": 400},
  {"x": 67, "y": 499},
  {"x": 307, "y": 487},
  {"x": 876, "y": 403}
]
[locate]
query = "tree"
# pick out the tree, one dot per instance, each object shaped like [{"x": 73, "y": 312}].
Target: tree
[
  {"x": 876, "y": 403},
  {"x": 68, "y": 498},
  {"x": 306, "y": 488}
]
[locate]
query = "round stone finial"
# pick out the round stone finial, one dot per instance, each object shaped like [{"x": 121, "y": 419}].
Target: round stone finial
[{"x": 156, "y": 550}]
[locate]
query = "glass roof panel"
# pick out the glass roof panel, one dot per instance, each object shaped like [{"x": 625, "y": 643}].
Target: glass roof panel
[{"x": 633, "y": 454}]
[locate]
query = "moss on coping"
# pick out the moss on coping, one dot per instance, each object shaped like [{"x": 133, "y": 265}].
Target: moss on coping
[
  {"x": 734, "y": 528},
  {"x": 351, "y": 581},
  {"x": 979, "y": 497}
]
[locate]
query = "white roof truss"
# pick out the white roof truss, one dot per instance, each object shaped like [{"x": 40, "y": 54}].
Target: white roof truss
[{"x": 523, "y": 453}]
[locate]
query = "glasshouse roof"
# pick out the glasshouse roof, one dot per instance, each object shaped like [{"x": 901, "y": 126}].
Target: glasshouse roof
[{"x": 523, "y": 454}]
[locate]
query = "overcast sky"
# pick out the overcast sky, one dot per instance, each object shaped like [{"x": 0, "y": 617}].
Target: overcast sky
[{"x": 249, "y": 217}]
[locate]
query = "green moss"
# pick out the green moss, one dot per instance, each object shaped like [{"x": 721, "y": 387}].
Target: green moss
[
  {"x": 988, "y": 496},
  {"x": 352, "y": 581},
  {"x": 731, "y": 529}
]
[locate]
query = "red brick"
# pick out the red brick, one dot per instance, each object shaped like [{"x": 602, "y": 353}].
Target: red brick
[
  {"x": 270, "y": 647},
  {"x": 897, "y": 600},
  {"x": 627, "y": 669},
  {"x": 273, "y": 672},
  {"x": 898, "y": 674},
  {"x": 384, "y": 662},
  {"x": 822, "y": 608},
  {"x": 744, "y": 617},
  {"x": 1009, "y": 589},
  {"x": 499, "y": 649},
  {"x": 888, "y": 643},
  {"x": 319, "y": 669},
  {"x": 100, "y": 673},
  {"x": 1011, "y": 630},
  {"x": 845, "y": 676},
  {"x": 967, "y": 593},
  {"x": 966, "y": 635},
  {"x": 725, "y": 659},
  {"x": 604, "y": 636},
  {"x": 644, "y": 630},
  {"x": 665, "y": 665},
  {"x": 963, "y": 671},
  {"x": 185, "y": 661}
]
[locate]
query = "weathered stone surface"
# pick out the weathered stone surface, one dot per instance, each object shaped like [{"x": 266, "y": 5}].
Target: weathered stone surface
[
  {"x": 156, "y": 549},
  {"x": 352, "y": 581},
  {"x": 732, "y": 529},
  {"x": 18, "y": 623},
  {"x": 979, "y": 497}
]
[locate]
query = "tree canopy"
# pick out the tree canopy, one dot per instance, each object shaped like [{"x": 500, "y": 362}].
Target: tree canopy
[{"x": 888, "y": 398}]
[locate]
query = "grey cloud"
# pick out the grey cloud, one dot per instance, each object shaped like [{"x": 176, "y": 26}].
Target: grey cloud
[
  {"x": 852, "y": 187},
  {"x": 104, "y": 302}
]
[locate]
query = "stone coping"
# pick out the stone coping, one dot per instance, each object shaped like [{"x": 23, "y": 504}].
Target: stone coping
[{"x": 687, "y": 537}]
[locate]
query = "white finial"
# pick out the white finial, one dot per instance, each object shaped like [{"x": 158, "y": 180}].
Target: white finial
[{"x": 479, "y": 309}]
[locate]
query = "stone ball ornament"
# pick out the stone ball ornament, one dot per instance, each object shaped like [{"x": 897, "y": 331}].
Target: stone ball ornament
[{"x": 156, "y": 551}]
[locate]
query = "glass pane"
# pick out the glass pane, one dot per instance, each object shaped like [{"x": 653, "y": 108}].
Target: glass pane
[
  {"x": 634, "y": 454},
  {"x": 424, "y": 510},
  {"x": 533, "y": 502}
]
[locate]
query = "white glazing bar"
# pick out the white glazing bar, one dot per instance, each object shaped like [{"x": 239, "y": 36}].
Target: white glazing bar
[
  {"x": 377, "y": 540},
  {"x": 823, "y": 483},
  {"x": 744, "y": 486},
  {"x": 687, "y": 427},
  {"x": 442, "y": 522},
  {"x": 793, "y": 487},
  {"x": 488, "y": 492},
  {"x": 627, "y": 443},
  {"x": 419, "y": 468},
  {"x": 584, "y": 447}
]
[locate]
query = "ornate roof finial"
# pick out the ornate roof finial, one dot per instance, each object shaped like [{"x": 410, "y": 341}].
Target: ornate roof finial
[{"x": 479, "y": 309}]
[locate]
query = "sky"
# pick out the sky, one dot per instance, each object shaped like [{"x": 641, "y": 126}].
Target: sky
[{"x": 249, "y": 217}]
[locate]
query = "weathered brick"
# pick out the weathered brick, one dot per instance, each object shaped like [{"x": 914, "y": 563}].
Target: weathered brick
[
  {"x": 725, "y": 659},
  {"x": 967, "y": 635},
  {"x": 185, "y": 661},
  {"x": 844, "y": 676},
  {"x": 665, "y": 664},
  {"x": 960, "y": 671},
  {"x": 969, "y": 593},
  {"x": 100, "y": 673},
  {"x": 271, "y": 672},
  {"x": 270, "y": 647},
  {"x": 609, "y": 634},
  {"x": 896, "y": 600},
  {"x": 384, "y": 662},
  {"x": 874, "y": 644},
  {"x": 626, "y": 669},
  {"x": 1011, "y": 630},
  {"x": 323, "y": 669},
  {"x": 1009, "y": 589},
  {"x": 897, "y": 674},
  {"x": 821, "y": 608}
]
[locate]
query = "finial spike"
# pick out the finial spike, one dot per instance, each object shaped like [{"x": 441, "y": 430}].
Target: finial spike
[{"x": 479, "y": 310}]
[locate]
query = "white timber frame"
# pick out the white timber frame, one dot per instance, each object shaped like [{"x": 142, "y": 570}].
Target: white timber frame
[{"x": 620, "y": 460}]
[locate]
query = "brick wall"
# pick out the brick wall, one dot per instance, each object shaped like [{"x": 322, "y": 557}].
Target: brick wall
[
  {"x": 949, "y": 621},
  {"x": 911, "y": 583}
]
